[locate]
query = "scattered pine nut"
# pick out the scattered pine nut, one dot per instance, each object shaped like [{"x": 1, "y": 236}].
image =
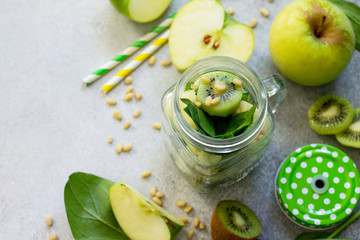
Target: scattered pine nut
[
  {"x": 216, "y": 44},
  {"x": 137, "y": 113},
  {"x": 127, "y": 147},
  {"x": 271, "y": 1},
  {"x": 49, "y": 220},
  {"x": 146, "y": 174},
  {"x": 208, "y": 101},
  {"x": 157, "y": 125},
  {"x": 138, "y": 95},
  {"x": 190, "y": 234},
  {"x": 129, "y": 89},
  {"x": 111, "y": 102},
  {"x": 196, "y": 222},
  {"x": 152, "y": 60},
  {"x": 184, "y": 220},
  {"x": 128, "y": 96},
  {"x": 166, "y": 63},
  {"x": 253, "y": 22},
  {"x": 160, "y": 194},
  {"x": 153, "y": 191},
  {"x": 230, "y": 11},
  {"x": 220, "y": 87},
  {"x": 197, "y": 104},
  {"x": 181, "y": 203},
  {"x": 264, "y": 12},
  {"x": 188, "y": 209},
  {"x": 206, "y": 80},
  {"x": 237, "y": 82},
  {"x": 157, "y": 201},
  {"x": 119, "y": 148},
  {"x": 215, "y": 101},
  {"x": 127, "y": 124},
  {"x": 202, "y": 226},
  {"x": 110, "y": 140},
  {"x": 53, "y": 237},
  {"x": 117, "y": 115},
  {"x": 128, "y": 80}
]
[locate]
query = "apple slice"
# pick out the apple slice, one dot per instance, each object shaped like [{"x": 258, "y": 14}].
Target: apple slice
[
  {"x": 141, "y": 218},
  {"x": 141, "y": 10},
  {"x": 203, "y": 29}
]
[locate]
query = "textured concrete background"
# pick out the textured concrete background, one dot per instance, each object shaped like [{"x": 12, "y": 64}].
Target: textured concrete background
[{"x": 51, "y": 126}]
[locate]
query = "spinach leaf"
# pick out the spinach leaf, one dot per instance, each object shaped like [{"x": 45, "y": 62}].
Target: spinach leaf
[
  {"x": 88, "y": 208},
  {"x": 352, "y": 11},
  {"x": 245, "y": 97}
]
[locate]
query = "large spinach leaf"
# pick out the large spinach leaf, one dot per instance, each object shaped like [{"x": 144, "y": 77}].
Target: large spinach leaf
[{"x": 88, "y": 208}]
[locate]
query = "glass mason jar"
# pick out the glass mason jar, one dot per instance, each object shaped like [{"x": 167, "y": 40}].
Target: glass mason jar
[{"x": 208, "y": 163}]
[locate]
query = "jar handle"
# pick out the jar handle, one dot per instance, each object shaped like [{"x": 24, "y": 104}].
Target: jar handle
[{"x": 276, "y": 89}]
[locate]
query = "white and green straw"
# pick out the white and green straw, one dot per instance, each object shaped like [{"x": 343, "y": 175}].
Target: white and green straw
[{"x": 129, "y": 51}]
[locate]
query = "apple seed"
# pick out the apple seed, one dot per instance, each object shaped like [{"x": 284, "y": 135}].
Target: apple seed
[{"x": 216, "y": 44}]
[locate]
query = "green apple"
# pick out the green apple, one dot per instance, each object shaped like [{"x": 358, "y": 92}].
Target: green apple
[
  {"x": 311, "y": 42},
  {"x": 202, "y": 29},
  {"x": 141, "y": 218},
  {"x": 141, "y": 10},
  {"x": 191, "y": 95}
]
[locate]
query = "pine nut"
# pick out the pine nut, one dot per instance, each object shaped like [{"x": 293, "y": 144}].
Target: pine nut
[
  {"x": 53, "y": 237},
  {"x": 166, "y": 63},
  {"x": 157, "y": 201},
  {"x": 190, "y": 234},
  {"x": 264, "y": 12},
  {"x": 208, "y": 101},
  {"x": 157, "y": 125},
  {"x": 127, "y": 124},
  {"x": 153, "y": 191},
  {"x": 184, "y": 220},
  {"x": 216, "y": 44},
  {"x": 49, "y": 220},
  {"x": 206, "y": 80},
  {"x": 271, "y": 1},
  {"x": 197, "y": 104},
  {"x": 253, "y": 22},
  {"x": 230, "y": 11},
  {"x": 181, "y": 203},
  {"x": 220, "y": 87},
  {"x": 111, "y": 102},
  {"x": 117, "y": 115},
  {"x": 196, "y": 222},
  {"x": 127, "y": 147},
  {"x": 119, "y": 148},
  {"x": 128, "y": 80},
  {"x": 188, "y": 209},
  {"x": 160, "y": 194},
  {"x": 129, "y": 89},
  {"x": 152, "y": 60},
  {"x": 128, "y": 96},
  {"x": 146, "y": 174},
  {"x": 110, "y": 140},
  {"x": 237, "y": 82},
  {"x": 262, "y": 132},
  {"x": 138, "y": 95},
  {"x": 202, "y": 226},
  {"x": 215, "y": 101},
  {"x": 137, "y": 113}
]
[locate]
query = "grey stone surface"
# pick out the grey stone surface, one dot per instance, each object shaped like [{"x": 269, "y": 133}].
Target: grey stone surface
[{"x": 51, "y": 126}]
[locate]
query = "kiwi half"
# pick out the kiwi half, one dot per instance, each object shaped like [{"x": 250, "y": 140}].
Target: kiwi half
[
  {"x": 230, "y": 96},
  {"x": 351, "y": 136},
  {"x": 330, "y": 115},
  {"x": 233, "y": 220}
]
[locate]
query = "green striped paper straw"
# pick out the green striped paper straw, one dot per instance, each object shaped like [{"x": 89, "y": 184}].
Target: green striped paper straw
[{"x": 128, "y": 51}]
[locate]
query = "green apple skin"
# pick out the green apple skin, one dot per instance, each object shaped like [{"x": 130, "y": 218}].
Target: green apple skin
[
  {"x": 299, "y": 55},
  {"x": 142, "y": 11}
]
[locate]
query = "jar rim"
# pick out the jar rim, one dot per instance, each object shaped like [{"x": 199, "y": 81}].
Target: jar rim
[{"x": 236, "y": 67}]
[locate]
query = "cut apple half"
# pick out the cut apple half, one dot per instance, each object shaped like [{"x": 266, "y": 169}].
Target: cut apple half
[
  {"x": 141, "y": 218},
  {"x": 203, "y": 29}
]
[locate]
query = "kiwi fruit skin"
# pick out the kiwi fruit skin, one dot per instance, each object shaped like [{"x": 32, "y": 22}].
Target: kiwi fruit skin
[
  {"x": 220, "y": 232},
  {"x": 350, "y": 137},
  {"x": 334, "y": 124}
]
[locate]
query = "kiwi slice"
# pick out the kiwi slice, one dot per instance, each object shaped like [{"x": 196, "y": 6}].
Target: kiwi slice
[
  {"x": 351, "y": 136},
  {"x": 219, "y": 86},
  {"x": 233, "y": 220},
  {"x": 330, "y": 115}
]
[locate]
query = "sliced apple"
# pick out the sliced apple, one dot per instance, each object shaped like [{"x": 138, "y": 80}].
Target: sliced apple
[
  {"x": 245, "y": 106},
  {"x": 189, "y": 94},
  {"x": 141, "y": 218},
  {"x": 203, "y": 29}
]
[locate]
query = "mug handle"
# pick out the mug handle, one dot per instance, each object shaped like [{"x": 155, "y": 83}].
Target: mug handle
[{"x": 276, "y": 89}]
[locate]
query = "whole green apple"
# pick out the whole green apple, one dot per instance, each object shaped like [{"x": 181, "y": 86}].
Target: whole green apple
[
  {"x": 311, "y": 42},
  {"x": 141, "y": 10}
]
